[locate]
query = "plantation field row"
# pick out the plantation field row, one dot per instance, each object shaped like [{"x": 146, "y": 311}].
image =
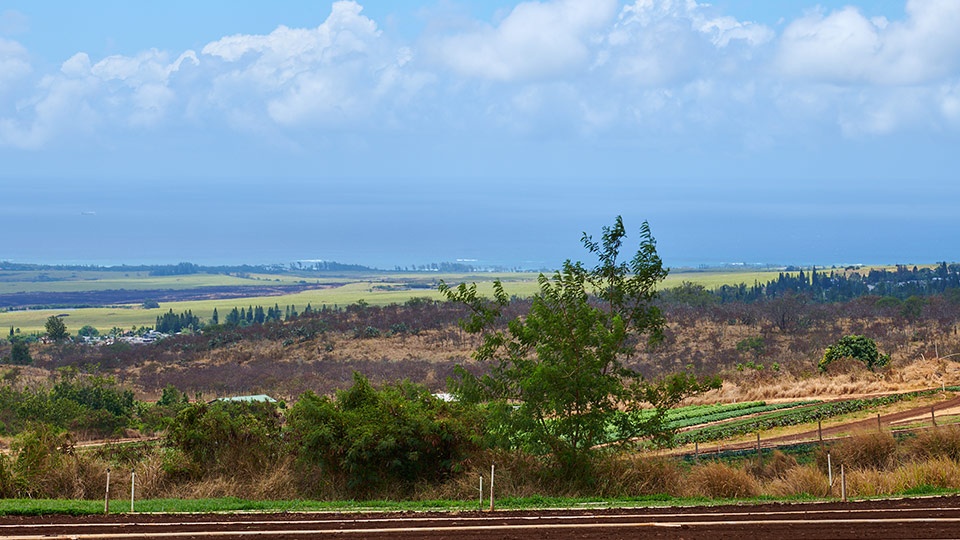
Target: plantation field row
[
  {"x": 348, "y": 289},
  {"x": 718, "y": 413},
  {"x": 797, "y": 415}
]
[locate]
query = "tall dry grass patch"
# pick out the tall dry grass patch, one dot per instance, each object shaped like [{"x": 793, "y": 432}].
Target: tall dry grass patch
[
  {"x": 634, "y": 474},
  {"x": 940, "y": 473},
  {"x": 866, "y": 450},
  {"x": 920, "y": 476},
  {"x": 517, "y": 475},
  {"x": 718, "y": 480},
  {"x": 943, "y": 441},
  {"x": 775, "y": 465},
  {"x": 800, "y": 480},
  {"x": 869, "y": 483}
]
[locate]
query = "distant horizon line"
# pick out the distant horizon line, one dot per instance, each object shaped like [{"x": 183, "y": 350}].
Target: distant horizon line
[{"x": 474, "y": 263}]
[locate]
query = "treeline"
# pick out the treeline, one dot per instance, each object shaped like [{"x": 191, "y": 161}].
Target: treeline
[
  {"x": 258, "y": 315},
  {"x": 363, "y": 442},
  {"x": 187, "y": 268},
  {"x": 170, "y": 323},
  {"x": 830, "y": 286}
]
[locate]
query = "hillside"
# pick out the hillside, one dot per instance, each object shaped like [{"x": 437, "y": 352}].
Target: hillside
[{"x": 763, "y": 350}]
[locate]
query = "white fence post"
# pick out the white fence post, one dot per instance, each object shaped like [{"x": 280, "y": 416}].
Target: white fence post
[
  {"x": 106, "y": 496},
  {"x": 492, "y": 468}
]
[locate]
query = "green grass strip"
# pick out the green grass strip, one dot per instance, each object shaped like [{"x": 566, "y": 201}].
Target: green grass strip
[{"x": 46, "y": 507}]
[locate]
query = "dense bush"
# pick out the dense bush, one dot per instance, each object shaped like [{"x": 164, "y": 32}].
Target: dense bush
[
  {"x": 368, "y": 437},
  {"x": 95, "y": 406},
  {"x": 859, "y": 347},
  {"x": 236, "y": 438}
]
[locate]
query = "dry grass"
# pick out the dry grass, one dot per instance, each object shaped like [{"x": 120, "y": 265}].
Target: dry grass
[
  {"x": 800, "y": 480},
  {"x": 718, "y": 480},
  {"x": 942, "y": 442},
  {"x": 776, "y": 465},
  {"x": 937, "y": 473},
  {"x": 866, "y": 450},
  {"x": 635, "y": 474}
]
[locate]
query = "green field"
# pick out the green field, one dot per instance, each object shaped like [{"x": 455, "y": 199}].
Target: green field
[{"x": 345, "y": 289}]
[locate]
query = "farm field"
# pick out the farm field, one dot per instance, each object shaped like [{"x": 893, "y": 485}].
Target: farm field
[
  {"x": 338, "y": 290},
  {"x": 207, "y": 292},
  {"x": 920, "y": 518}
]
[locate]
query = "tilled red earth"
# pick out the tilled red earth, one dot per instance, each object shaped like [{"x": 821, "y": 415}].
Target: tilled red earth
[{"x": 933, "y": 517}]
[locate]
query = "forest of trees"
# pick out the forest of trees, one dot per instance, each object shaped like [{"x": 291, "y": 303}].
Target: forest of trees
[{"x": 831, "y": 285}]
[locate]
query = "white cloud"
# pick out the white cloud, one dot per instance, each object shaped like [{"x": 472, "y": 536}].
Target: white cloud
[
  {"x": 14, "y": 62},
  {"x": 329, "y": 74},
  {"x": 535, "y": 40},
  {"x": 845, "y": 47},
  {"x": 82, "y": 98},
  {"x": 640, "y": 71},
  {"x": 949, "y": 101},
  {"x": 665, "y": 42},
  {"x": 61, "y": 108}
]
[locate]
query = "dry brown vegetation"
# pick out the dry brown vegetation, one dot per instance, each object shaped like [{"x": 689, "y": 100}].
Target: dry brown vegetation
[
  {"x": 889, "y": 468},
  {"x": 420, "y": 341}
]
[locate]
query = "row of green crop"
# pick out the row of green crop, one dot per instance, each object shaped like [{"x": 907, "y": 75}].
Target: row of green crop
[
  {"x": 694, "y": 415},
  {"x": 793, "y": 417},
  {"x": 756, "y": 408},
  {"x": 696, "y": 411},
  {"x": 693, "y": 411}
]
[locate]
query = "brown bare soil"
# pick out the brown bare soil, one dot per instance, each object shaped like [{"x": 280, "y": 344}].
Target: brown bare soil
[{"x": 936, "y": 517}]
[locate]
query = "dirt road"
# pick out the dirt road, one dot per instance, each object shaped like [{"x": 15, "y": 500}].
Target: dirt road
[{"x": 937, "y": 517}]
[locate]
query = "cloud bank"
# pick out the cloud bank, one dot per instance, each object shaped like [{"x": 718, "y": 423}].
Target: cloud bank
[{"x": 559, "y": 68}]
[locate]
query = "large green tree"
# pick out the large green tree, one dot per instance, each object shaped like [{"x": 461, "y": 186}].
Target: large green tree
[
  {"x": 557, "y": 383},
  {"x": 56, "y": 328}
]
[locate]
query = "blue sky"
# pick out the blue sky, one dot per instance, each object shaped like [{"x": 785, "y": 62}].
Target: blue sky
[{"x": 397, "y": 133}]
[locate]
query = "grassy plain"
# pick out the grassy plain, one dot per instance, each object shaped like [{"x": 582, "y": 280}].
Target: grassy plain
[{"x": 344, "y": 289}]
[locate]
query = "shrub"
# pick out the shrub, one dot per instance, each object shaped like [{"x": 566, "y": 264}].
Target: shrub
[
  {"x": 39, "y": 452},
  {"x": 20, "y": 353},
  {"x": 8, "y": 488},
  {"x": 161, "y": 415},
  {"x": 103, "y": 407},
  {"x": 239, "y": 438},
  {"x": 369, "y": 437},
  {"x": 855, "y": 346}
]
